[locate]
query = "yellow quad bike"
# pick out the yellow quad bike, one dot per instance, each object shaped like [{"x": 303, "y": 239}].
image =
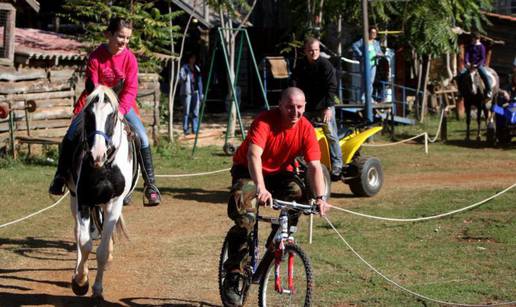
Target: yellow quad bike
[{"x": 363, "y": 174}]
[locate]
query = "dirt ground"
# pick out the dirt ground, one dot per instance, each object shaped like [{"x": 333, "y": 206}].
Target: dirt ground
[{"x": 170, "y": 259}]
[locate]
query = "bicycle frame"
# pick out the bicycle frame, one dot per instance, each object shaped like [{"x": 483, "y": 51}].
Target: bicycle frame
[{"x": 276, "y": 248}]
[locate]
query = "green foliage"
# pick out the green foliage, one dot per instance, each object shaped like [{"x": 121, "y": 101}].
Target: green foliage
[
  {"x": 236, "y": 9},
  {"x": 290, "y": 46},
  {"x": 428, "y": 28},
  {"x": 426, "y": 24},
  {"x": 151, "y": 28}
]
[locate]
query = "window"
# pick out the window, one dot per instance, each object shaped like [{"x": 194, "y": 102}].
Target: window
[{"x": 7, "y": 28}]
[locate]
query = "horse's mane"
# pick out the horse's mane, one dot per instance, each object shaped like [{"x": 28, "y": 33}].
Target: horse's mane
[{"x": 101, "y": 92}]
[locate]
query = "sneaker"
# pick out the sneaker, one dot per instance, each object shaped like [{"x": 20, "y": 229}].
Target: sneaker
[
  {"x": 57, "y": 187},
  {"x": 233, "y": 289},
  {"x": 336, "y": 175},
  {"x": 152, "y": 196}
]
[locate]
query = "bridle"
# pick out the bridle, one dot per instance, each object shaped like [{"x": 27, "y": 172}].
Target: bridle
[{"x": 111, "y": 148}]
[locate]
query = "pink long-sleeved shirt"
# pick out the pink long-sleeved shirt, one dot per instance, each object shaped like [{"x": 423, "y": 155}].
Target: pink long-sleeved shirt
[{"x": 107, "y": 69}]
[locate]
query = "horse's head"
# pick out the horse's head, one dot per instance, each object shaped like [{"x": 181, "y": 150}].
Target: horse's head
[{"x": 100, "y": 119}]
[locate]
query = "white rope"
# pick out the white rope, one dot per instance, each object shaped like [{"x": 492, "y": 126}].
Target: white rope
[
  {"x": 35, "y": 213},
  {"x": 424, "y": 134},
  {"x": 402, "y": 287},
  {"x": 194, "y": 174},
  {"x": 395, "y": 143},
  {"x": 57, "y": 202},
  {"x": 437, "y": 133},
  {"x": 426, "y": 217}
]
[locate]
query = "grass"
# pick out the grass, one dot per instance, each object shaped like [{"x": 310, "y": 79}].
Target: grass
[{"x": 464, "y": 258}]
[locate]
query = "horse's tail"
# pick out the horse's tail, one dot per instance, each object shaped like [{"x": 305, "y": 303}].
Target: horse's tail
[{"x": 121, "y": 230}]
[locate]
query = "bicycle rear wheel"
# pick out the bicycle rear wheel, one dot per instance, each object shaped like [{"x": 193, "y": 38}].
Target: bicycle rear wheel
[{"x": 295, "y": 284}]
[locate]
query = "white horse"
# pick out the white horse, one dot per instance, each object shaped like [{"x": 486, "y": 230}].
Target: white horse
[{"x": 103, "y": 174}]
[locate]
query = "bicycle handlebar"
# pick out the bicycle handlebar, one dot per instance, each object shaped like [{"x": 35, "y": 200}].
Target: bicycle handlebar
[{"x": 292, "y": 205}]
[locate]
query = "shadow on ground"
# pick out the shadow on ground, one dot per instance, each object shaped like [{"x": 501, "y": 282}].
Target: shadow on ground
[
  {"x": 4, "y": 276},
  {"x": 37, "y": 248},
  {"x": 21, "y": 299},
  {"x": 343, "y": 195},
  {"x": 167, "y": 302},
  {"x": 195, "y": 194}
]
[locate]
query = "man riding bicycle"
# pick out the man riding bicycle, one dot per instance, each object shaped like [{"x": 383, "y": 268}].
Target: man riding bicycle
[{"x": 262, "y": 169}]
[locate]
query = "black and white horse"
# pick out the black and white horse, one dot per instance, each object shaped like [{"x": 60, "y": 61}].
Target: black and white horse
[
  {"x": 472, "y": 88},
  {"x": 103, "y": 173}
]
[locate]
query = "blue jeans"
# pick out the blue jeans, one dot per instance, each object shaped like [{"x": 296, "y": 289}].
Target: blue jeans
[
  {"x": 191, "y": 105},
  {"x": 131, "y": 117},
  {"x": 137, "y": 125},
  {"x": 332, "y": 134}
]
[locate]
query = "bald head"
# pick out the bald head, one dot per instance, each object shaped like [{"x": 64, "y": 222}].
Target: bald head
[
  {"x": 291, "y": 93},
  {"x": 292, "y": 105}
]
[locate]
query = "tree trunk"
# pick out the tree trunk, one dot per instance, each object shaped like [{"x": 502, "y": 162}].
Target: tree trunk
[
  {"x": 171, "y": 83},
  {"x": 425, "y": 91},
  {"x": 419, "y": 77}
]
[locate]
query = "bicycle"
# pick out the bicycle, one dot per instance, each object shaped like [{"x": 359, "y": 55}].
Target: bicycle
[{"x": 269, "y": 271}]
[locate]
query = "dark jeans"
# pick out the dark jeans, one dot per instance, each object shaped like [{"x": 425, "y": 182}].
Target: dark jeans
[{"x": 243, "y": 209}]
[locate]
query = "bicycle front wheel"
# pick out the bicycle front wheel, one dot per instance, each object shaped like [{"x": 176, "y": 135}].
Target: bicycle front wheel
[{"x": 289, "y": 283}]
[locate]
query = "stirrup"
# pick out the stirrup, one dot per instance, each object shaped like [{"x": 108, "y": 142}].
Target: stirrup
[{"x": 151, "y": 195}]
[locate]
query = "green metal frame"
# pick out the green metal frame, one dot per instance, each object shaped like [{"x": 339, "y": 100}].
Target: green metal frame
[{"x": 234, "y": 101}]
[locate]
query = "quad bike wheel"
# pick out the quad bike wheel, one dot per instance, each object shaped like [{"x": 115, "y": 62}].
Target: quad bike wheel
[
  {"x": 327, "y": 183},
  {"x": 369, "y": 179}
]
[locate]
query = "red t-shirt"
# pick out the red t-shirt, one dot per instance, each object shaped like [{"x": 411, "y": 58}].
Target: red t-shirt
[
  {"x": 280, "y": 145},
  {"x": 108, "y": 69}
]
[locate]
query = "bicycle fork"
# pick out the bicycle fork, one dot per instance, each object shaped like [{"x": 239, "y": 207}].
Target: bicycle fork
[{"x": 282, "y": 237}]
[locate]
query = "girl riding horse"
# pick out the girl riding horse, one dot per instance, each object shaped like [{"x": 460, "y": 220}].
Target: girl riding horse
[
  {"x": 109, "y": 65},
  {"x": 477, "y": 84}
]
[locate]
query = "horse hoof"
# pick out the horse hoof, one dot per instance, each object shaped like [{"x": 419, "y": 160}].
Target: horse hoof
[{"x": 80, "y": 290}]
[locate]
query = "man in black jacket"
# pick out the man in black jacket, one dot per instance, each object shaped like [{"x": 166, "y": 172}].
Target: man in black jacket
[{"x": 316, "y": 77}]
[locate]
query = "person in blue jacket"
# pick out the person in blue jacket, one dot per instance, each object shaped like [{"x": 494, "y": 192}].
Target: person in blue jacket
[
  {"x": 190, "y": 93},
  {"x": 374, "y": 51}
]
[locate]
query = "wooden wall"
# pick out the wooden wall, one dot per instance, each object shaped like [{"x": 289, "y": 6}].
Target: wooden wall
[{"x": 55, "y": 92}]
